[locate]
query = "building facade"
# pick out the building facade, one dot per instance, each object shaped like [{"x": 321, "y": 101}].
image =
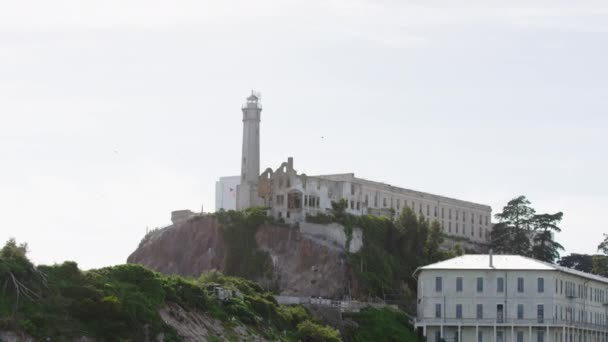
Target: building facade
[
  {"x": 504, "y": 298},
  {"x": 225, "y": 192},
  {"x": 292, "y": 196}
]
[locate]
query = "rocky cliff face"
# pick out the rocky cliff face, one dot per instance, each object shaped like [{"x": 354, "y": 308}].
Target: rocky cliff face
[{"x": 304, "y": 264}]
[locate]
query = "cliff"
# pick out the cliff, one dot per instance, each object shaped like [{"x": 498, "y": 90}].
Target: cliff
[{"x": 306, "y": 261}]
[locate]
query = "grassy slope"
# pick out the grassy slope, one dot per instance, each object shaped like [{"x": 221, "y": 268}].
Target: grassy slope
[
  {"x": 381, "y": 325},
  {"x": 116, "y": 303}
]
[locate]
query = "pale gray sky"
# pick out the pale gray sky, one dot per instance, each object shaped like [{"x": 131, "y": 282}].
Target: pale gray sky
[{"x": 114, "y": 112}]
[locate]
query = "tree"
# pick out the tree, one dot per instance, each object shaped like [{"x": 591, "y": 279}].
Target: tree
[
  {"x": 545, "y": 225},
  {"x": 521, "y": 231},
  {"x": 600, "y": 265},
  {"x": 603, "y": 246},
  {"x": 506, "y": 239},
  {"x": 517, "y": 213},
  {"x": 579, "y": 262},
  {"x": 433, "y": 242},
  {"x": 510, "y": 235}
]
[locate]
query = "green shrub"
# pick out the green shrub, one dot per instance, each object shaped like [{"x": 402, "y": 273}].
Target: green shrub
[
  {"x": 309, "y": 331},
  {"x": 293, "y": 314},
  {"x": 381, "y": 325}
]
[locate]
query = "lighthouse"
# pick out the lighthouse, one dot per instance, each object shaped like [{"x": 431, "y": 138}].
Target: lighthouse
[{"x": 247, "y": 194}]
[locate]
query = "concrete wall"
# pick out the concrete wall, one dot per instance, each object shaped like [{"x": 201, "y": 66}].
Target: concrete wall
[
  {"x": 334, "y": 233},
  {"x": 226, "y": 192}
]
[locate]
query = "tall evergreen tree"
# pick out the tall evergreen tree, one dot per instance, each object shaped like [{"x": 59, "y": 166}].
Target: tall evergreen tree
[
  {"x": 545, "y": 248},
  {"x": 511, "y": 235},
  {"x": 517, "y": 213}
]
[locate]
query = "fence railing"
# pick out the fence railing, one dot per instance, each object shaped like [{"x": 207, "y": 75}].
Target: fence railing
[{"x": 511, "y": 321}]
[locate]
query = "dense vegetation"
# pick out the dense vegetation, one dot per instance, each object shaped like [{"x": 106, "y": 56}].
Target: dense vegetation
[
  {"x": 123, "y": 302},
  {"x": 392, "y": 250},
  {"x": 380, "y": 325},
  {"x": 238, "y": 230}
]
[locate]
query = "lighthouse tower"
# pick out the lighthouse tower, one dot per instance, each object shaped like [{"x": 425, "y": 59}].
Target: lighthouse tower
[{"x": 247, "y": 191}]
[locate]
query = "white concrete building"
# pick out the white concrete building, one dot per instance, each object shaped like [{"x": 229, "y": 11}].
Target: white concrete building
[
  {"x": 504, "y": 298},
  {"x": 225, "y": 192},
  {"x": 292, "y": 196}
]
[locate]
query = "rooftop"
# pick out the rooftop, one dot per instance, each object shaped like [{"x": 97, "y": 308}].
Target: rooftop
[{"x": 505, "y": 262}]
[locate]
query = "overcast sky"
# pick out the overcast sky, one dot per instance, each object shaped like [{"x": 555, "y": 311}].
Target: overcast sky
[{"x": 114, "y": 112}]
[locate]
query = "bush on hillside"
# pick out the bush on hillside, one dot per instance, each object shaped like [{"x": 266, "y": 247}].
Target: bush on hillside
[{"x": 309, "y": 331}]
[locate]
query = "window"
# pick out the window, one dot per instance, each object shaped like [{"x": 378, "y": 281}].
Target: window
[
  {"x": 520, "y": 336},
  {"x": 500, "y": 337},
  {"x": 459, "y": 311},
  {"x": 428, "y": 210},
  {"x": 479, "y": 311},
  {"x": 352, "y": 189},
  {"x": 376, "y": 201},
  {"x": 450, "y": 227},
  {"x": 450, "y": 214},
  {"x": 437, "y": 336},
  {"x": 540, "y": 285},
  {"x": 500, "y": 285},
  {"x": 520, "y": 285},
  {"x": 459, "y": 284},
  {"x": 540, "y": 312},
  {"x": 384, "y": 202},
  {"x": 479, "y": 284},
  {"x": 520, "y": 311},
  {"x": 366, "y": 200},
  {"x": 437, "y": 310},
  {"x": 442, "y": 212},
  {"x": 438, "y": 284},
  {"x": 480, "y": 336},
  {"x": 540, "y": 336},
  {"x": 456, "y": 227}
]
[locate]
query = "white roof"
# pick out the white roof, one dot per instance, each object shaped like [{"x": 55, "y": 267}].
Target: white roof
[{"x": 504, "y": 262}]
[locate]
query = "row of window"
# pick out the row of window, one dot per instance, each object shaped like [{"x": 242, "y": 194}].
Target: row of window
[
  {"x": 573, "y": 290},
  {"x": 570, "y": 313},
  {"x": 480, "y": 217},
  {"x": 500, "y": 337},
  {"x": 312, "y": 201},
  {"x": 500, "y": 284},
  {"x": 464, "y": 229},
  {"x": 500, "y": 312}
]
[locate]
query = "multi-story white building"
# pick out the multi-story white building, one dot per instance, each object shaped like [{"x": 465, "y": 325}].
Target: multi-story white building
[
  {"x": 504, "y": 298},
  {"x": 292, "y": 196}
]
